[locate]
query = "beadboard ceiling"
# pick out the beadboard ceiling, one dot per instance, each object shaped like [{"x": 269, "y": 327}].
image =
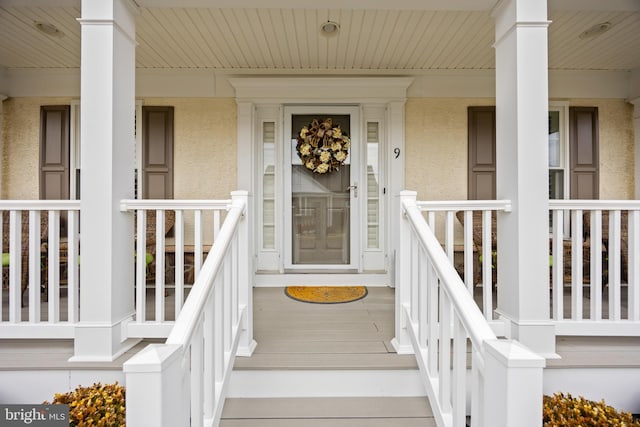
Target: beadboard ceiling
[{"x": 250, "y": 38}]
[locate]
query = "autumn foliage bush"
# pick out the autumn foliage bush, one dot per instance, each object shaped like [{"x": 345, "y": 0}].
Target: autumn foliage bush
[
  {"x": 568, "y": 411},
  {"x": 98, "y": 405}
]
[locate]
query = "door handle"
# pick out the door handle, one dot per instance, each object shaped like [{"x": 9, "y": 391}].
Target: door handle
[{"x": 354, "y": 188}]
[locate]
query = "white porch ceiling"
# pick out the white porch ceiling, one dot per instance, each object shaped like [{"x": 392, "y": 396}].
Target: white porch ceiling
[{"x": 287, "y": 39}]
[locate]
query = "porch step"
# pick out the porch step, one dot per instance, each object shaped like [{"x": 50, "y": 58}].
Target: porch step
[
  {"x": 325, "y": 412},
  {"x": 324, "y": 350}
]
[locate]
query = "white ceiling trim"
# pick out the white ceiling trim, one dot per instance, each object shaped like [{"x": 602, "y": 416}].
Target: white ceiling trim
[
  {"x": 329, "y": 4},
  {"x": 320, "y": 89}
]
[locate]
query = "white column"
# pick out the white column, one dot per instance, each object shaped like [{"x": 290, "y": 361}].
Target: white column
[
  {"x": 522, "y": 171},
  {"x": 636, "y": 141},
  {"x": 107, "y": 166}
]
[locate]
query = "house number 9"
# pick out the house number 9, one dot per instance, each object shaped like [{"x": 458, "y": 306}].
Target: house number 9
[{"x": 396, "y": 151}]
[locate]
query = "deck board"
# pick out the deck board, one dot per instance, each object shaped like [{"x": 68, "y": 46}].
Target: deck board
[
  {"x": 325, "y": 412},
  {"x": 297, "y": 335}
]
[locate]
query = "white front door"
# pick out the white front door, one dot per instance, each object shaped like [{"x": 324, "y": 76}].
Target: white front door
[{"x": 321, "y": 209}]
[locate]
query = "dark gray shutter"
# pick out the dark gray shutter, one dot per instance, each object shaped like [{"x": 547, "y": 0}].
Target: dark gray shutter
[
  {"x": 54, "y": 152},
  {"x": 583, "y": 136},
  {"x": 482, "y": 153},
  {"x": 157, "y": 152}
]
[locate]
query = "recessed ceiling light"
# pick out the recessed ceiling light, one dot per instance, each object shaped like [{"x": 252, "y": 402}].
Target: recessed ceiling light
[
  {"x": 330, "y": 28},
  {"x": 596, "y": 30},
  {"x": 48, "y": 29}
]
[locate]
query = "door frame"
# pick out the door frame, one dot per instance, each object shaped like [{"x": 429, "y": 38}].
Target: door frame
[
  {"x": 355, "y": 173},
  {"x": 260, "y": 99}
]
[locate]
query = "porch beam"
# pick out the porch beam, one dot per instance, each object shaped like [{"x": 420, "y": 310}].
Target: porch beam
[
  {"x": 521, "y": 156},
  {"x": 107, "y": 164}
]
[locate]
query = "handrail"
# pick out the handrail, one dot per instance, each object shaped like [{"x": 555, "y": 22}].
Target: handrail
[
  {"x": 566, "y": 204},
  {"x": 185, "y": 204},
  {"x": 183, "y": 381},
  {"x": 470, "y": 315},
  {"x": 187, "y": 320},
  {"x": 464, "y": 205},
  {"x": 436, "y": 318},
  {"x": 40, "y": 205}
]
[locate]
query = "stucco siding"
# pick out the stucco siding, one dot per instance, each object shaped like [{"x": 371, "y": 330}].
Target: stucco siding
[
  {"x": 21, "y": 146},
  {"x": 205, "y": 148},
  {"x": 436, "y": 146},
  {"x": 617, "y": 153},
  {"x": 205, "y": 134}
]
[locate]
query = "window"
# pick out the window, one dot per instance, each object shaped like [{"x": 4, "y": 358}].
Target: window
[{"x": 558, "y": 152}]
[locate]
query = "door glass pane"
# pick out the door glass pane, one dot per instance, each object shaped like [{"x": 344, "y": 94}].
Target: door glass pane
[
  {"x": 268, "y": 185},
  {"x": 373, "y": 186},
  {"x": 320, "y": 204}
]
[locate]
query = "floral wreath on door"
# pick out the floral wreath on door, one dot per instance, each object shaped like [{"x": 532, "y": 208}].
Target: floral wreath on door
[{"x": 322, "y": 147}]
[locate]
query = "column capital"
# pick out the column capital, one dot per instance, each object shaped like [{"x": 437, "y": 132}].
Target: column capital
[{"x": 514, "y": 14}]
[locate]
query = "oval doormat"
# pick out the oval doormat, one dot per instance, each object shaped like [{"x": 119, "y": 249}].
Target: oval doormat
[{"x": 326, "y": 294}]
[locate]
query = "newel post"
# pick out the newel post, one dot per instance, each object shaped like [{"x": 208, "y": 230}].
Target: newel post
[
  {"x": 246, "y": 344},
  {"x": 155, "y": 392},
  {"x": 402, "y": 341},
  {"x": 512, "y": 385}
]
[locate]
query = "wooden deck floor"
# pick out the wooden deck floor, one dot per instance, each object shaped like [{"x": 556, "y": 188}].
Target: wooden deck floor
[
  {"x": 297, "y": 335},
  {"x": 293, "y": 335}
]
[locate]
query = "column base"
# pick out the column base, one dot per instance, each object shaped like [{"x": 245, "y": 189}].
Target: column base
[
  {"x": 100, "y": 342},
  {"x": 537, "y": 336}
]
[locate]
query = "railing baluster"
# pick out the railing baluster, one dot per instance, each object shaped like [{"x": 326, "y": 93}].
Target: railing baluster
[
  {"x": 422, "y": 301},
  {"x": 468, "y": 250},
  {"x": 141, "y": 266},
  {"x": 487, "y": 266},
  {"x": 196, "y": 377},
  {"x": 178, "y": 261},
  {"x": 160, "y": 282},
  {"x": 34, "y": 267},
  {"x": 216, "y": 224},
  {"x": 444, "y": 349},
  {"x": 209, "y": 393},
  {"x": 197, "y": 236},
  {"x": 448, "y": 235},
  {"x": 558, "y": 265},
  {"x": 414, "y": 277},
  {"x": 576, "y": 265},
  {"x": 634, "y": 268},
  {"x": 596, "y": 265},
  {"x": 459, "y": 385},
  {"x": 432, "y": 318},
  {"x": 54, "y": 267},
  {"x": 613, "y": 251},
  {"x": 73, "y": 288},
  {"x": 15, "y": 267}
]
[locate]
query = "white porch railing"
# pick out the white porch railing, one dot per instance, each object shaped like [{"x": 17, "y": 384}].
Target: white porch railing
[
  {"x": 596, "y": 267},
  {"x": 32, "y": 263},
  {"x": 438, "y": 321},
  {"x": 183, "y": 381},
  {"x": 478, "y": 217},
  {"x": 198, "y": 219}
]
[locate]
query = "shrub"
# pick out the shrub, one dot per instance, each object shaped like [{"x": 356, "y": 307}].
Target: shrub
[
  {"x": 98, "y": 405},
  {"x": 566, "y": 410}
]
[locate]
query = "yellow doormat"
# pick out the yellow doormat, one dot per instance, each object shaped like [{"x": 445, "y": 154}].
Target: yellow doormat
[{"x": 326, "y": 294}]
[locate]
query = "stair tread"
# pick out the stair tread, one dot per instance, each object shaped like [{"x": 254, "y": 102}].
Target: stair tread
[
  {"x": 319, "y": 361},
  {"x": 326, "y": 407},
  {"x": 331, "y": 422}
]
